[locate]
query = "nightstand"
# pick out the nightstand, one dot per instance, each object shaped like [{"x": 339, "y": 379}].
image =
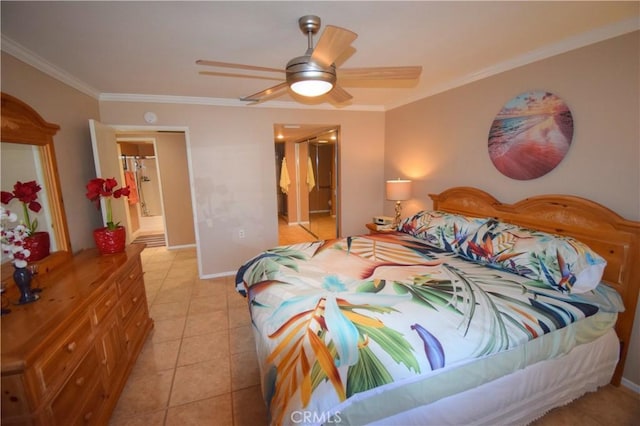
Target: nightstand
[{"x": 373, "y": 229}]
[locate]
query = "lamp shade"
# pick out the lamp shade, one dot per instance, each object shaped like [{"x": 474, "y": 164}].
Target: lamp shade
[{"x": 398, "y": 190}]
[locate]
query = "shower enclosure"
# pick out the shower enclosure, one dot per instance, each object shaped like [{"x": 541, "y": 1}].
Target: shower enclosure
[{"x": 141, "y": 175}]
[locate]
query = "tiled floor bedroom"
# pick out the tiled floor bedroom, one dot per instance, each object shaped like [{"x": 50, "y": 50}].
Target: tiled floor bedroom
[{"x": 199, "y": 367}]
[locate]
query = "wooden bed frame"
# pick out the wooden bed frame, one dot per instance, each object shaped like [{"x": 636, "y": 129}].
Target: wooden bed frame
[{"x": 616, "y": 239}]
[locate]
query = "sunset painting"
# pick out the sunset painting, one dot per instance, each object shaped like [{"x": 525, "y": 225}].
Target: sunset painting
[{"x": 530, "y": 135}]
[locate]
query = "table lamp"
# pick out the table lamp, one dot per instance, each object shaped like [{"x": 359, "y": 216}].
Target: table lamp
[{"x": 398, "y": 190}]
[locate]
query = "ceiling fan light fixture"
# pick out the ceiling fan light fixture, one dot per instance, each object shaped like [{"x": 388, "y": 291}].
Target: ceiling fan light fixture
[
  {"x": 307, "y": 78},
  {"x": 311, "y": 88}
]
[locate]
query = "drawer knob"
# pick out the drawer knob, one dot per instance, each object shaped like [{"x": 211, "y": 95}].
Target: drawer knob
[
  {"x": 131, "y": 276},
  {"x": 72, "y": 346},
  {"x": 108, "y": 303},
  {"x": 87, "y": 416},
  {"x": 135, "y": 299},
  {"x": 80, "y": 381}
]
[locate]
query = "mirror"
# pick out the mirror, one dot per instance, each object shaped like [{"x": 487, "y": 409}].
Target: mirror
[
  {"x": 28, "y": 154},
  {"x": 322, "y": 187},
  {"x": 308, "y": 196}
]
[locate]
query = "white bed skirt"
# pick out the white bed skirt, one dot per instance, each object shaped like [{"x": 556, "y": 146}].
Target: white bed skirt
[{"x": 525, "y": 395}]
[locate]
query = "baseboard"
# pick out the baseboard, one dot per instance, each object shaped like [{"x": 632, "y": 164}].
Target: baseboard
[
  {"x": 135, "y": 234},
  {"x": 183, "y": 246},
  {"x": 630, "y": 385},
  {"x": 218, "y": 275}
]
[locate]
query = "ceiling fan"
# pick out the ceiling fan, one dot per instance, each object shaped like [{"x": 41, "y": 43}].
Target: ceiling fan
[{"x": 315, "y": 73}]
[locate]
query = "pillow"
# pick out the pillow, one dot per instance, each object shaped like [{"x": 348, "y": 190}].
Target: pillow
[
  {"x": 440, "y": 229},
  {"x": 562, "y": 263}
]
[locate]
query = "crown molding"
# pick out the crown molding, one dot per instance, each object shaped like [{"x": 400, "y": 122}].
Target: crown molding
[
  {"x": 571, "y": 43},
  {"x": 25, "y": 55},
  {"x": 227, "y": 102},
  {"x": 566, "y": 45}
]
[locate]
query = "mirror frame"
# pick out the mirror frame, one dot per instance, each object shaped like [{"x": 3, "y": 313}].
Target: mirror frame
[{"x": 21, "y": 124}]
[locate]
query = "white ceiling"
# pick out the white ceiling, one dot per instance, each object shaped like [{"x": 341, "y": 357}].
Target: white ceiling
[{"x": 130, "y": 50}]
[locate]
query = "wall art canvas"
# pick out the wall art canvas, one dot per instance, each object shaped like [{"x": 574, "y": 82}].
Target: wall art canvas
[{"x": 530, "y": 135}]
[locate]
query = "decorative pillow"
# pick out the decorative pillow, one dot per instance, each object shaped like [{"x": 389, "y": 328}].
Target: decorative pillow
[
  {"x": 561, "y": 262},
  {"x": 440, "y": 229}
]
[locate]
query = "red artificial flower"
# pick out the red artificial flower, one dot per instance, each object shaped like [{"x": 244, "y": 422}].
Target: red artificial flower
[
  {"x": 122, "y": 192},
  {"x": 104, "y": 188},
  {"x": 27, "y": 194}
]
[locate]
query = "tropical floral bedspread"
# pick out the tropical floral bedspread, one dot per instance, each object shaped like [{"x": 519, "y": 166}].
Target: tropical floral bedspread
[{"x": 338, "y": 317}]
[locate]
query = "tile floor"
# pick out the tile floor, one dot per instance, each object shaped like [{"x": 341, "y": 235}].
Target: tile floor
[{"x": 198, "y": 366}]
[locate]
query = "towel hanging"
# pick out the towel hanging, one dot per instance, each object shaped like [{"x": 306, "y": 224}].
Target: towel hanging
[
  {"x": 130, "y": 180},
  {"x": 284, "y": 177},
  {"x": 311, "y": 180}
]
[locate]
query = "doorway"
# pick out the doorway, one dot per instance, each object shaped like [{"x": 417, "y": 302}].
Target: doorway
[
  {"x": 170, "y": 149},
  {"x": 141, "y": 174},
  {"x": 306, "y": 158}
]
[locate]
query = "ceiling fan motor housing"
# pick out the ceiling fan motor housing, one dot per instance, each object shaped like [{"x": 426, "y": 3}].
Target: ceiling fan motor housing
[{"x": 303, "y": 68}]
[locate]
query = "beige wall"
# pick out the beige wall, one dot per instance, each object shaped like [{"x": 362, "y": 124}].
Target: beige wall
[
  {"x": 234, "y": 177},
  {"x": 171, "y": 155},
  {"x": 441, "y": 141},
  {"x": 71, "y": 110}
]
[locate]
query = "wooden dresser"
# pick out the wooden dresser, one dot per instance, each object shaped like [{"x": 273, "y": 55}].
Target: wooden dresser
[{"x": 67, "y": 356}]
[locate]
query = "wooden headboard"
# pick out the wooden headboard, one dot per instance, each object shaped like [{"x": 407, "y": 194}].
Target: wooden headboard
[{"x": 616, "y": 239}]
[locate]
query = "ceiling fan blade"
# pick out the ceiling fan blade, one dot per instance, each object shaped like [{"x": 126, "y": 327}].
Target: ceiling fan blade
[
  {"x": 229, "y": 74},
  {"x": 380, "y": 73},
  {"x": 237, "y": 66},
  {"x": 271, "y": 92},
  {"x": 339, "y": 95},
  {"x": 332, "y": 43}
]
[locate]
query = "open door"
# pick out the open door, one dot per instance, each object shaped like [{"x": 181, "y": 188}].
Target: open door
[{"x": 105, "y": 157}]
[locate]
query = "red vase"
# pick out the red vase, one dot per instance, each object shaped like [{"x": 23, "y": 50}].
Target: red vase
[
  {"x": 109, "y": 242},
  {"x": 39, "y": 245}
]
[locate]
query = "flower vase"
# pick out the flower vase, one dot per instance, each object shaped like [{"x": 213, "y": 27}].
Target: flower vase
[
  {"x": 22, "y": 278},
  {"x": 39, "y": 244},
  {"x": 110, "y": 241}
]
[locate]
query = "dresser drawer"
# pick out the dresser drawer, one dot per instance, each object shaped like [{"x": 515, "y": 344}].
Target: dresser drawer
[
  {"x": 130, "y": 301},
  {"x": 132, "y": 273},
  {"x": 104, "y": 305},
  {"x": 14, "y": 401},
  {"x": 86, "y": 412},
  {"x": 135, "y": 330},
  {"x": 76, "y": 390},
  {"x": 65, "y": 354},
  {"x": 93, "y": 407}
]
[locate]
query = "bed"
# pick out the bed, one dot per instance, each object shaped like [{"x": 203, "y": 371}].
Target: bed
[{"x": 474, "y": 312}]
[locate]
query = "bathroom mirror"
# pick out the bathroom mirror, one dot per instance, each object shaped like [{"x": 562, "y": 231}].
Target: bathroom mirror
[{"x": 28, "y": 141}]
